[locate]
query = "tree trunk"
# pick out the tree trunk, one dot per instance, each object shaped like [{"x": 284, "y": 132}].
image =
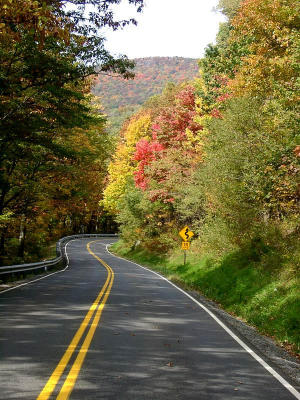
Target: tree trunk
[
  {"x": 91, "y": 228},
  {"x": 22, "y": 237},
  {"x": 2, "y": 244}
]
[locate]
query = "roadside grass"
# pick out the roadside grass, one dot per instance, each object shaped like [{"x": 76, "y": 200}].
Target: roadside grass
[{"x": 265, "y": 298}]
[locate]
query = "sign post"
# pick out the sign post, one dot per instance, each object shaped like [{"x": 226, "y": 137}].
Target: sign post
[{"x": 186, "y": 235}]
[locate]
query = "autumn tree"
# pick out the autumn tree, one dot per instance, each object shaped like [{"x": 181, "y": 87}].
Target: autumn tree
[
  {"x": 47, "y": 52},
  {"x": 61, "y": 195},
  {"x": 123, "y": 164},
  {"x": 174, "y": 128},
  {"x": 271, "y": 68},
  {"x": 160, "y": 163},
  {"x": 248, "y": 183},
  {"x": 229, "y": 7}
]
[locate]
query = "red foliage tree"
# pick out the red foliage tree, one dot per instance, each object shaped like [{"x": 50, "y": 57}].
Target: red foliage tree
[
  {"x": 146, "y": 152},
  {"x": 157, "y": 162}
]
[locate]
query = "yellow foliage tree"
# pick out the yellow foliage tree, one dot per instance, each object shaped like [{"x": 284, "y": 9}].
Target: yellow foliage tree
[
  {"x": 272, "y": 65},
  {"x": 123, "y": 165}
]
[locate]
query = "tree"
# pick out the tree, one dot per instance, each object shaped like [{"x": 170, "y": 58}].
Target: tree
[
  {"x": 123, "y": 165},
  {"x": 175, "y": 136},
  {"x": 219, "y": 66},
  {"x": 229, "y": 7},
  {"x": 271, "y": 68},
  {"x": 46, "y": 52},
  {"x": 161, "y": 163},
  {"x": 48, "y": 49}
]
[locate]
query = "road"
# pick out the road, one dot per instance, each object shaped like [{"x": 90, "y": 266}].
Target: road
[{"x": 108, "y": 329}]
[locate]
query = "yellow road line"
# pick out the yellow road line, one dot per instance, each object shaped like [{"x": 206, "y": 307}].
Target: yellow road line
[
  {"x": 70, "y": 381},
  {"x": 55, "y": 377}
]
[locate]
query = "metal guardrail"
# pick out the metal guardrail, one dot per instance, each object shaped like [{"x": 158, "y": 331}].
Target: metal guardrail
[{"x": 59, "y": 261}]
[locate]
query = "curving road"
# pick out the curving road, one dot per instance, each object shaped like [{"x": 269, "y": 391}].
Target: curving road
[{"x": 108, "y": 329}]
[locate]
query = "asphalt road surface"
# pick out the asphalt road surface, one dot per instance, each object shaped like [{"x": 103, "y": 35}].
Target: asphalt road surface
[{"x": 106, "y": 328}]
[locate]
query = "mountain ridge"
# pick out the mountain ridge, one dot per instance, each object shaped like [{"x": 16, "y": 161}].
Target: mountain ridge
[{"x": 120, "y": 98}]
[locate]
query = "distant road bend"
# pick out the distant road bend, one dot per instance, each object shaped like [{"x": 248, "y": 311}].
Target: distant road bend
[{"x": 108, "y": 329}]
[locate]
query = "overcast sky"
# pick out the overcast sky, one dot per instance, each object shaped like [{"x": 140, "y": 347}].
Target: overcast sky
[{"x": 166, "y": 28}]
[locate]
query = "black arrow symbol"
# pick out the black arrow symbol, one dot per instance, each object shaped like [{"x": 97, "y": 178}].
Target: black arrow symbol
[{"x": 187, "y": 234}]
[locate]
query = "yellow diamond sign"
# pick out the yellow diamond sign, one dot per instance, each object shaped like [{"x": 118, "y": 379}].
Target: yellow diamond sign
[{"x": 186, "y": 234}]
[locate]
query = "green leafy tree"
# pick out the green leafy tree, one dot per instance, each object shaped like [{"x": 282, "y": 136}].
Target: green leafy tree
[
  {"x": 229, "y": 7},
  {"x": 47, "y": 52}
]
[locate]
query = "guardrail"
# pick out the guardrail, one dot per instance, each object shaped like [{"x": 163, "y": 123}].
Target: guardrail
[{"x": 60, "y": 261}]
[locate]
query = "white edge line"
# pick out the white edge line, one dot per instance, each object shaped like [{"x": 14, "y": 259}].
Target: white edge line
[
  {"x": 43, "y": 277},
  {"x": 228, "y": 330}
]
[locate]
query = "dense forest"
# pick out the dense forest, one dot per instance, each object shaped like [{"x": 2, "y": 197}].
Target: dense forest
[
  {"x": 54, "y": 147},
  {"x": 221, "y": 155},
  {"x": 121, "y": 98}
]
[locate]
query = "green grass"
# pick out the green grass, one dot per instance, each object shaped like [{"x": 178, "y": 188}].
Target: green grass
[{"x": 266, "y": 298}]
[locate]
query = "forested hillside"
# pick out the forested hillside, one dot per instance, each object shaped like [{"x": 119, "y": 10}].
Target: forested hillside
[
  {"x": 221, "y": 154},
  {"x": 121, "y": 98}
]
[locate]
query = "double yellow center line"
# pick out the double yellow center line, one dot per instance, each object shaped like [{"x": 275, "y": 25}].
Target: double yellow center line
[{"x": 94, "y": 312}]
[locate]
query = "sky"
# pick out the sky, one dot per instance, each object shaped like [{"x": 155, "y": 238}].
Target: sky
[{"x": 166, "y": 28}]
